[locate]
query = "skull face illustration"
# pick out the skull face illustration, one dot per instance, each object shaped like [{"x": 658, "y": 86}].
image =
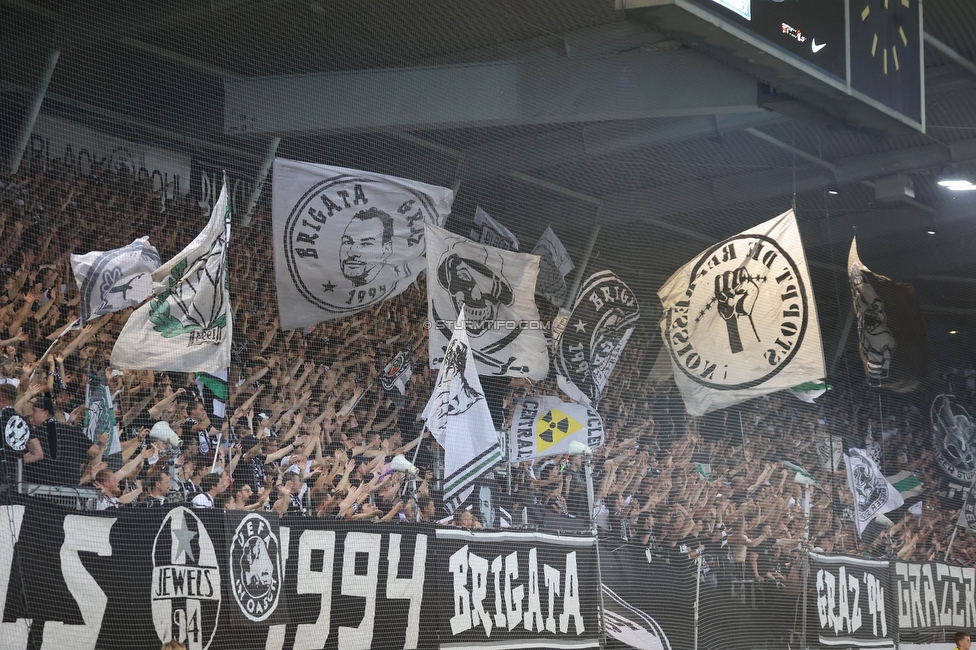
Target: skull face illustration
[
  {"x": 865, "y": 486},
  {"x": 475, "y": 287},
  {"x": 877, "y": 343}
]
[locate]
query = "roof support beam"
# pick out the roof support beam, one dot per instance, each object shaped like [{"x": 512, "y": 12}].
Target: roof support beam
[{"x": 634, "y": 85}]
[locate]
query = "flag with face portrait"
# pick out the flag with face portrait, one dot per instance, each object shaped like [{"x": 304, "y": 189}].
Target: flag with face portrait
[
  {"x": 458, "y": 417},
  {"x": 740, "y": 320},
  {"x": 496, "y": 288},
  {"x": 554, "y": 265},
  {"x": 892, "y": 338},
  {"x": 109, "y": 281},
  {"x": 346, "y": 240},
  {"x": 186, "y": 326}
]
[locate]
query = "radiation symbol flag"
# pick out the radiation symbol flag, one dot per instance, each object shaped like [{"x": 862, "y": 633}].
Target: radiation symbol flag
[
  {"x": 553, "y": 427},
  {"x": 547, "y": 426}
]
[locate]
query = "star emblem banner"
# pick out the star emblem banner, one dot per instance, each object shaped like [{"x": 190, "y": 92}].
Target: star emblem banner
[{"x": 596, "y": 332}]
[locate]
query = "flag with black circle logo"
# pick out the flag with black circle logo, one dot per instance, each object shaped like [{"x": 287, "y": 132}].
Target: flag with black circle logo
[
  {"x": 740, "y": 320},
  {"x": 345, "y": 239}
]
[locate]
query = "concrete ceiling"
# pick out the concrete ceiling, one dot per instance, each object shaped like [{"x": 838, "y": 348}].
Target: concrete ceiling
[{"x": 681, "y": 151}]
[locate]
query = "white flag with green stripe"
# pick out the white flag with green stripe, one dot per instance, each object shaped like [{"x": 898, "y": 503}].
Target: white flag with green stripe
[
  {"x": 907, "y": 484},
  {"x": 458, "y": 418},
  {"x": 213, "y": 389},
  {"x": 809, "y": 391},
  {"x": 799, "y": 471}
]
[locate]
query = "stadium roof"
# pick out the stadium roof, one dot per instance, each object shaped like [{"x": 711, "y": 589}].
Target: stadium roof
[{"x": 665, "y": 176}]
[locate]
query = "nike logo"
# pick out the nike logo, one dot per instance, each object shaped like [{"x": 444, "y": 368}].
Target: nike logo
[{"x": 816, "y": 48}]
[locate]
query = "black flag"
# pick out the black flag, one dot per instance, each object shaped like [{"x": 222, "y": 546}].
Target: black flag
[{"x": 891, "y": 332}]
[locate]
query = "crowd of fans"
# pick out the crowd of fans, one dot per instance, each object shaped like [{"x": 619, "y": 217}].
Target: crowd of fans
[{"x": 307, "y": 428}]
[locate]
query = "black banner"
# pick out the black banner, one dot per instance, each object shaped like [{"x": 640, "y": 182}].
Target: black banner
[
  {"x": 853, "y": 602},
  {"x": 526, "y": 589},
  {"x": 648, "y": 603},
  {"x": 931, "y": 596},
  {"x": 134, "y": 577},
  {"x": 209, "y": 579}
]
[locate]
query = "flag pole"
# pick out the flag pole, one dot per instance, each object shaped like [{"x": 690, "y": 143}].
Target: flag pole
[
  {"x": 955, "y": 529},
  {"x": 581, "y": 269}
]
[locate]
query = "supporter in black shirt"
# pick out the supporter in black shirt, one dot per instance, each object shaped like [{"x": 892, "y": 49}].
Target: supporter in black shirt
[
  {"x": 71, "y": 448},
  {"x": 19, "y": 440}
]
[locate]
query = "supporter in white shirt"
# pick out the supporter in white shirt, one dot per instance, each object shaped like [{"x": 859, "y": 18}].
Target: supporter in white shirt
[{"x": 212, "y": 485}]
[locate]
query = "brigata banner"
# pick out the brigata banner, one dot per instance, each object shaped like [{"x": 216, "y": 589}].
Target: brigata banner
[
  {"x": 137, "y": 577},
  {"x": 517, "y": 589},
  {"x": 854, "y": 604}
]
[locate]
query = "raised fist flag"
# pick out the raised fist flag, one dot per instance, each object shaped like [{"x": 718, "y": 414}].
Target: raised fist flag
[{"x": 740, "y": 321}]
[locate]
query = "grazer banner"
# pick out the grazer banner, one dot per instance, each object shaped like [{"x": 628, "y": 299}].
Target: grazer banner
[
  {"x": 517, "y": 589},
  {"x": 931, "y": 596},
  {"x": 852, "y": 604}
]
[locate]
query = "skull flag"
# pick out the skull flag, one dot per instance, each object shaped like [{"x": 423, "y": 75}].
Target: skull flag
[
  {"x": 496, "y": 288},
  {"x": 892, "y": 339},
  {"x": 873, "y": 495},
  {"x": 740, "y": 320}
]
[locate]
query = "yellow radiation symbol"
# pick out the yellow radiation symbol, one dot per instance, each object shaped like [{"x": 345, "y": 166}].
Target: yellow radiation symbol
[{"x": 553, "y": 427}]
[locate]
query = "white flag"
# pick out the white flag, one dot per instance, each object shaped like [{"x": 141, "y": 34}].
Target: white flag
[
  {"x": 740, "y": 320},
  {"x": 873, "y": 495},
  {"x": 497, "y": 290},
  {"x": 110, "y": 281},
  {"x": 187, "y": 325},
  {"x": 554, "y": 266},
  {"x": 545, "y": 426},
  {"x": 488, "y": 231},
  {"x": 345, "y": 240},
  {"x": 458, "y": 418}
]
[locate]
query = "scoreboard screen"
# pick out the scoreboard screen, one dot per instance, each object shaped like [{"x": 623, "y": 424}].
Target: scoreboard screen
[
  {"x": 873, "y": 47},
  {"x": 812, "y": 30}
]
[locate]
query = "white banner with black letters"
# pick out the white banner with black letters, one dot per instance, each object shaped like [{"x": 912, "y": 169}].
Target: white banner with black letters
[
  {"x": 739, "y": 320},
  {"x": 345, "y": 239},
  {"x": 853, "y": 602}
]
